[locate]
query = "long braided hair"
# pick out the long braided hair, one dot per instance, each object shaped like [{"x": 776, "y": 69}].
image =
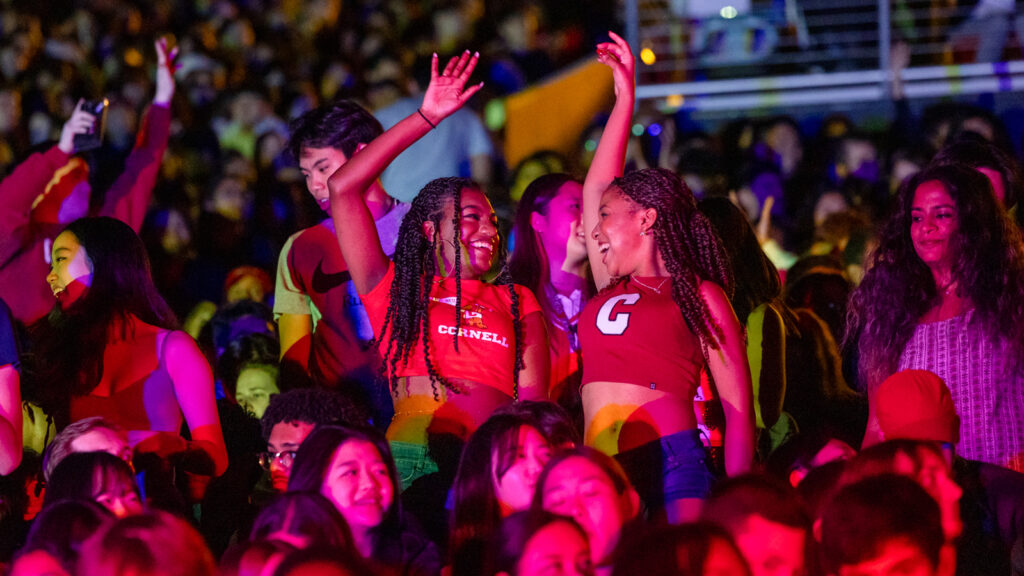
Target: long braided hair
[
  {"x": 417, "y": 258},
  {"x": 688, "y": 243}
]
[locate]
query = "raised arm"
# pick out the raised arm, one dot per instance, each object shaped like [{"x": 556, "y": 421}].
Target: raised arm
[
  {"x": 357, "y": 233},
  {"x": 610, "y": 157},
  {"x": 731, "y": 374},
  {"x": 128, "y": 197}
]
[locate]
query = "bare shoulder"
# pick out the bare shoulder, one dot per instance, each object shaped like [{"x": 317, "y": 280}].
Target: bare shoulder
[
  {"x": 179, "y": 346},
  {"x": 717, "y": 301}
]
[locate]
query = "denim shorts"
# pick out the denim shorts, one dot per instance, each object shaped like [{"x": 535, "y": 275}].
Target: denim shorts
[
  {"x": 668, "y": 469},
  {"x": 412, "y": 461}
]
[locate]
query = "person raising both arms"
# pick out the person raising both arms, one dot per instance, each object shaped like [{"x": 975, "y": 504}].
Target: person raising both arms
[
  {"x": 661, "y": 317},
  {"x": 454, "y": 347}
]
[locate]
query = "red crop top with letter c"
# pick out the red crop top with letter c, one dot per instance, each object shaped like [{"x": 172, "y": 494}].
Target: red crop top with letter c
[
  {"x": 487, "y": 349},
  {"x": 634, "y": 334}
]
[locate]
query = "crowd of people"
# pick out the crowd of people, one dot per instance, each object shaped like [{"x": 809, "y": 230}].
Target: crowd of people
[{"x": 679, "y": 353}]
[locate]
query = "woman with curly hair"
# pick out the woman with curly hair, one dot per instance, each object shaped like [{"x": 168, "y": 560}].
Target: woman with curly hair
[
  {"x": 945, "y": 293},
  {"x": 454, "y": 347},
  {"x": 661, "y": 318}
]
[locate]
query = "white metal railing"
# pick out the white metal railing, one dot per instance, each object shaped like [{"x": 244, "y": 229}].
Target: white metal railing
[{"x": 804, "y": 52}]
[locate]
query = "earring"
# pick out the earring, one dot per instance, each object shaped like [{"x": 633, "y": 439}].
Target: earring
[{"x": 643, "y": 232}]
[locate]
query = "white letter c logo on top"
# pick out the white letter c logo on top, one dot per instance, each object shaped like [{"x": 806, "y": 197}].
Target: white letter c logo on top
[{"x": 615, "y": 325}]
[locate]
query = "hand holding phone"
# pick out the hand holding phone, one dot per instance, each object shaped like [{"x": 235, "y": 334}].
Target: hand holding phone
[{"x": 93, "y": 136}]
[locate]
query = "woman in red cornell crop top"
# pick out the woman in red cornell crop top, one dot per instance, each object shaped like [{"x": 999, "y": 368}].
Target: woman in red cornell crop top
[
  {"x": 454, "y": 347},
  {"x": 662, "y": 316}
]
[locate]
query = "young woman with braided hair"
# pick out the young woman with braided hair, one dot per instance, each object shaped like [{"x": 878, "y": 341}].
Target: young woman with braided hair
[
  {"x": 662, "y": 317},
  {"x": 454, "y": 347}
]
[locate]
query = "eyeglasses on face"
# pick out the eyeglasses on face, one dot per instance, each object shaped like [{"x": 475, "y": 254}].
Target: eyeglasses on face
[{"x": 285, "y": 457}]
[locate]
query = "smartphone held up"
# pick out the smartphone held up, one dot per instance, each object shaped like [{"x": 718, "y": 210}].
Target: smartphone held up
[{"x": 94, "y": 137}]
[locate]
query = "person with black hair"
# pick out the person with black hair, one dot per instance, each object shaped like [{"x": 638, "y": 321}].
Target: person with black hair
[
  {"x": 352, "y": 467},
  {"x": 880, "y": 523},
  {"x": 1000, "y": 167},
  {"x": 110, "y": 348},
  {"x": 291, "y": 416},
  {"x": 765, "y": 318},
  {"x": 662, "y": 316},
  {"x": 497, "y": 476},
  {"x": 766, "y": 519},
  {"x": 96, "y": 477},
  {"x": 454, "y": 346},
  {"x": 539, "y": 542},
  {"x": 325, "y": 333},
  {"x": 303, "y": 520},
  {"x": 944, "y": 292},
  {"x": 57, "y": 536},
  {"x": 51, "y": 189},
  {"x": 550, "y": 258}
]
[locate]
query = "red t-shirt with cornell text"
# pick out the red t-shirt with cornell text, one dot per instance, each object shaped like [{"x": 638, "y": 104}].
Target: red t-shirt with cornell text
[{"x": 487, "y": 352}]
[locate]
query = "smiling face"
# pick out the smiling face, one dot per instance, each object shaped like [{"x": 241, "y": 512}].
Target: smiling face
[
  {"x": 618, "y": 229},
  {"x": 934, "y": 225},
  {"x": 560, "y": 227},
  {"x": 557, "y": 549},
  {"x": 478, "y": 231},
  {"x": 515, "y": 487},
  {"x": 580, "y": 489},
  {"x": 70, "y": 269},
  {"x": 317, "y": 165},
  {"x": 358, "y": 483}
]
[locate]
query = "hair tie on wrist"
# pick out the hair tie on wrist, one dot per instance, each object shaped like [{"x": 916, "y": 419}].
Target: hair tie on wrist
[{"x": 425, "y": 119}]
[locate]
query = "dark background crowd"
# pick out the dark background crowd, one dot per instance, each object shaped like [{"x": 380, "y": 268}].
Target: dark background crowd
[{"x": 204, "y": 174}]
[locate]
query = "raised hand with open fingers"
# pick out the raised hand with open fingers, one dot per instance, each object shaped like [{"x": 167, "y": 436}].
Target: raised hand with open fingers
[
  {"x": 166, "y": 66},
  {"x": 447, "y": 91},
  {"x": 619, "y": 57}
]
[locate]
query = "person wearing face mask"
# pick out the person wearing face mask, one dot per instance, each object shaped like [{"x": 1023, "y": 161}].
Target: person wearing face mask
[
  {"x": 454, "y": 346},
  {"x": 944, "y": 293},
  {"x": 497, "y": 476},
  {"x": 352, "y": 467},
  {"x": 109, "y": 348},
  {"x": 51, "y": 189},
  {"x": 661, "y": 317}
]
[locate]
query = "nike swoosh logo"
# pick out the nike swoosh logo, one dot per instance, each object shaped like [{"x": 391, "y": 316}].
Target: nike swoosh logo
[{"x": 324, "y": 283}]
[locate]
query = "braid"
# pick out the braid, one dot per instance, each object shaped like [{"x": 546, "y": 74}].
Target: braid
[
  {"x": 456, "y": 226},
  {"x": 505, "y": 277},
  {"x": 691, "y": 249},
  {"x": 407, "y": 320}
]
